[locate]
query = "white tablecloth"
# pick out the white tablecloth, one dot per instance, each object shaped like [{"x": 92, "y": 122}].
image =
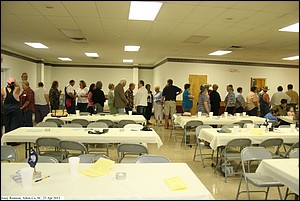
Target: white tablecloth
[
  {"x": 217, "y": 139},
  {"x": 143, "y": 181},
  {"x": 115, "y": 118},
  {"x": 285, "y": 171},
  {"x": 114, "y": 135},
  {"x": 217, "y": 120}
]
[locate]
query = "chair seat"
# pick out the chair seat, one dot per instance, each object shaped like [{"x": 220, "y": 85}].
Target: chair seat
[
  {"x": 233, "y": 156},
  {"x": 129, "y": 159},
  {"x": 262, "y": 180}
]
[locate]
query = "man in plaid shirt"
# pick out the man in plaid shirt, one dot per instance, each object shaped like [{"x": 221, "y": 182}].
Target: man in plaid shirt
[{"x": 27, "y": 104}]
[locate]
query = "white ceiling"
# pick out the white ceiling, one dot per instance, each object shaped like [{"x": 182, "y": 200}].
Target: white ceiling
[{"x": 218, "y": 24}]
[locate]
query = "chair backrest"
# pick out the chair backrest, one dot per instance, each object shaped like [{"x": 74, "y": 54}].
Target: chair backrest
[
  {"x": 237, "y": 145},
  {"x": 294, "y": 153},
  {"x": 82, "y": 122},
  {"x": 97, "y": 125},
  {"x": 152, "y": 159},
  {"x": 272, "y": 142},
  {"x": 46, "y": 124},
  {"x": 44, "y": 159},
  {"x": 198, "y": 128},
  {"x": 254, "y": 154},
  {"x": 47, "y": 141},
  {"x": 130, "y": 149},
  {"x": 72, "y": 125},
  {"x": 245, "y": 121},
  {"x": 8, "y": 153},
  {"x": 295, "y": 145},
  {"x": 109, "y": 122},
  {"x": 122, "y": 123},
  {"x": 66, "y": 145},
  {"x": 91, "y": 158},
  {"x": 193, "y": 123},
  {"x": 59, "y": 122},
  {"x": 134, "y": 126}
]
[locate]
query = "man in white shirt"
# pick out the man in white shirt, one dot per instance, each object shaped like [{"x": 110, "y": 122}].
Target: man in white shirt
[
  {"x": 276, "y": 98},
  {"x": 70, "y": 95},
  {"x": 140, "y": 98},
  {"x": 41, "y": 101}
]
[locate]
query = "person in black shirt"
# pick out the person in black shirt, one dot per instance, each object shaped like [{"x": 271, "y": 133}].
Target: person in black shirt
[
  {"x": 98, "y": 97},
  {"x": 215, "y": 100},
  {"x": 169, "y": 101}
]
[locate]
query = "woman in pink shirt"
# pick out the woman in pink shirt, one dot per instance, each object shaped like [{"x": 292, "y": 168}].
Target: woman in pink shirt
[{"x": 90, "y": 107}]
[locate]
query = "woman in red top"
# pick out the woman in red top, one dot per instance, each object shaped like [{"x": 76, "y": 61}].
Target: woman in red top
[{"x": 27, "y": 104}]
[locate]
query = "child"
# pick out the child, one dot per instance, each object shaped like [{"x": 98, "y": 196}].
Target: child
[{"x": 290, "y": 111}]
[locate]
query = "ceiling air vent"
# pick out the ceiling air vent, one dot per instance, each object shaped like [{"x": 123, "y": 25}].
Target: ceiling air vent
[
  {"x": 236, "y": 47},
  {"x": 78, "y": 40}
]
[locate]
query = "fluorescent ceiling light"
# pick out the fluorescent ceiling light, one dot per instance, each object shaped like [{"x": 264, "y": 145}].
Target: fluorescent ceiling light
[
  {"x": 143, "y": 10},
  {"x": 291, "y": 28},
  {"x": 36, "y": 45},
  {"x": 291, "y": 58},
  {"x": 64, "y": 59},
  {"x": 91, "y": 54},
  {"x": 131, "y": 48},
  {"x": 220, "y": 52},
  {"x": 127, "y": 60}
]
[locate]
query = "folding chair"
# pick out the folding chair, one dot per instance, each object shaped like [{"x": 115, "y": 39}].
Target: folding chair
[
  {"x": 44, "y": 159},
  {"x": 72, "y": 125},
  {"x": 110, "y": 123},
  {"x": 59, "y": 122},
  {"x": 286, "y": 154},
  {"x": 232, "y": 152},
  {"x": 271, "y": 145},
  {"x": 82, "y": 122},
  {"x": 190, "y": 130},
  {"x": 127, "y": 152},
  {"x": 248, "y": 155},
  {"x": 46, "y": 124},
  {"x": 91, "y": 158},
  {"x": 48, "y": 146},
  {"x": 175, "y": 126},
  {"x": 97, "y": 125},
  {"x": 8, "y": 153},
  {"x": 66, "y": 146},
  {"x": 152, "y": 159},
  {"x": 122, "y": 123},
  {"x": 201, "y": 145}
]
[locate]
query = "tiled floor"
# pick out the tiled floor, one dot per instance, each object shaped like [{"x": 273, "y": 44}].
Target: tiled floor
[{"x": 214, "y": 182}]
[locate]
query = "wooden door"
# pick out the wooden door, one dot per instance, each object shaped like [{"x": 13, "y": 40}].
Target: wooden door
[
  {"x": 259, "y": 82},
  {"x": 196, "y": 81}
]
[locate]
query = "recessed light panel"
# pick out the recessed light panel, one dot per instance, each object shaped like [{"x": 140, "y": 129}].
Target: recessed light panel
[
  {"x": 91, "y": 54},
  {"x": 127, "y": 60},
  {"x": 220, "y": 52},
  {"x": 131, "y": 48},
  {"x": 291, "y": 58},
  {"x": 36, "y": 45},
  {"x": 291, "y": 28},
  {"x": 144, "y": 10},
  {"x": 64, "y": 59}
]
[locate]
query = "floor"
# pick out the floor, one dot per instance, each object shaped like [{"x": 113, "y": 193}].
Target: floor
[{"x": 176, "y": 152}]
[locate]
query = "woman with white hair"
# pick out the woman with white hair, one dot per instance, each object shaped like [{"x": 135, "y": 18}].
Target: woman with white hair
[{"x": 157, "y": 104}]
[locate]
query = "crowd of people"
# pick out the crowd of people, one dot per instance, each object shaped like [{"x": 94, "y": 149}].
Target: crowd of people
[{"x": 18, "y": 105}]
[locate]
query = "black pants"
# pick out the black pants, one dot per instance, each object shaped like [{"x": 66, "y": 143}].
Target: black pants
[
  {"x": 230, "y": 110},
  {"x": 148, "y": 112},
  {"x": 239, "y": 110},
  {"x": 82, "y": 107},
  {"x": 140, "y": 110},
  {"x": 253, "y": 112},
  {"x": 12, "y": 117}
]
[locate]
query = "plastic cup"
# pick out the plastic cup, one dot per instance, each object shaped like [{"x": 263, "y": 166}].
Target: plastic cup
[
  {"x": 77, "y": 112},
  {"x": 211, "y": 114},
  {"x": 237, "y": 114},
  {"x": 244, "y": 114},
  {"x": 293, "y": 127},
  {"x": 130, "y": 112},
  {"x": 74, "y": 163},
  {"x": 225, "y": 114},
  {"x": 27, "y": 176},
  {"x": 199, "y": 114},
  {"x": 236, "y": 129}
]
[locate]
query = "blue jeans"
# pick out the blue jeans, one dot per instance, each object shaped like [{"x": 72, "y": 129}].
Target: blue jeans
[
  {"x": 186, "y": 109},
  {"x": 27, "y": 118}
]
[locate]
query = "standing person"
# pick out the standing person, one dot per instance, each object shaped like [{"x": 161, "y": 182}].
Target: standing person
[
  {"x": 11, "y": 105},
  {"x": 24, "y": 77},
  {"x": 90, "y": 107},
  {"x": 27, "y": 104},
  {"x": 148, "y": 111},
  {"x": 294, "y": 96},
  {"x": 41, "y": 99},
  {"x": 239, "y": 101},
  {"x": 81, "y": 94},
  {"x": 140, "y": 98},
  {"x": 169, "y": 101},
  {"x": 187, "y": 99},
  {"x": 215, "y": 100},
  {"x": 129, "y": 97},
  {"x": 252, "y": 102},
  {"x": 276, "y": 97},
  {"x": 98, "y": 97},
  {"x": 203, "y": 100},
  {"x": 157, "y": 104},
  {"x": 230, "y": 100},
  {"x": 264, "y": 101},
  {"x": 110, "y": 98},
  {"x": 54, "y": 95},
  {"x": 70, "y": 94},
  {"x": 120, "y": 101}
]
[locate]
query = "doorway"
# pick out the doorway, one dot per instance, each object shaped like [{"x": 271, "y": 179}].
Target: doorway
[
  {"x": 196, "y": 81},
  {"x": 259, "y": 82}
]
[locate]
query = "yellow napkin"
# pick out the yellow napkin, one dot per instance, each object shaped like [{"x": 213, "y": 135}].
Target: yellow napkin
[
  {"x": 100, "y": 168},
  {"x": 256, "y": 131},
  {"x": 175, "y": 183}
]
